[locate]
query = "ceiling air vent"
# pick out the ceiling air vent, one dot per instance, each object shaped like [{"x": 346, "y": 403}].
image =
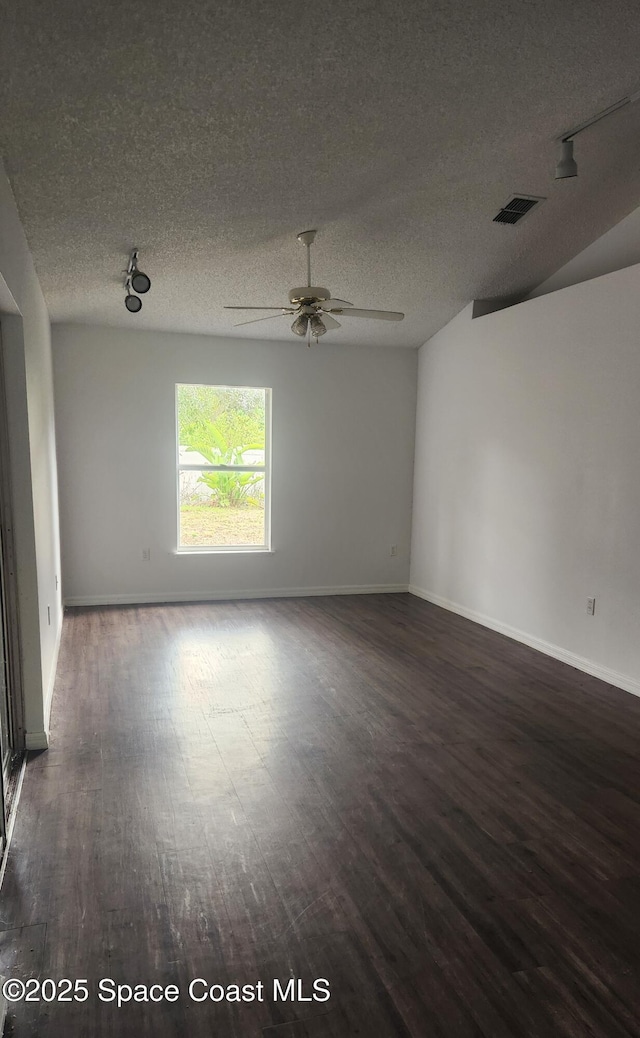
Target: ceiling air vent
[{"x": 517, "y": 208}]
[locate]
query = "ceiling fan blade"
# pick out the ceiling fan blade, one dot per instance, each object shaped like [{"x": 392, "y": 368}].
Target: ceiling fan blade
[
  {"x": 329, "y": 322},
  {"x": 331, "y": 303},
  {"x": 283, "y": 308},
  {"x": 378, "y": 315},
  {"x": 255, "y": 320}
]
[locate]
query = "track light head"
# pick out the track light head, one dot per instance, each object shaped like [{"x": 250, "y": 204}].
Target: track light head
[
  {"x": 133, "y": 303},
  {"x": 299, "y": 326},
  {"x": 137, "y": 279},
  {"x": 567, "y": 166},
  {"x": 140, "y": 282}
]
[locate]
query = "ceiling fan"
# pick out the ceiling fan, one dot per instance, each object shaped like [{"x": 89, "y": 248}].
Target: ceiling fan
[{"x": 313, "y": 305}]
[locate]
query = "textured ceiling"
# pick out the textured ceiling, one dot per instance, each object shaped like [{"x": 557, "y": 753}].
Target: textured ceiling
[{"x": 208, "y": 135}]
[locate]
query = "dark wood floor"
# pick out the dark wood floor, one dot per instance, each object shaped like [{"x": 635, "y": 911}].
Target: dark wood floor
[{"x": 442, "y": 823}]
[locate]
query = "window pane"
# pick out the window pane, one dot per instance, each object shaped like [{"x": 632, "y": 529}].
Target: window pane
[
  {"x": 221, "y": 425},
  {"x": 221, "y": 509}
]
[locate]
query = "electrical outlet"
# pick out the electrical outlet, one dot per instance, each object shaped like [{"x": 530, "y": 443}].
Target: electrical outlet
[
  {"x": 146, "y": 554},
  {"x": 591, "y": 606},
  {"x": 393, "y": 550}
]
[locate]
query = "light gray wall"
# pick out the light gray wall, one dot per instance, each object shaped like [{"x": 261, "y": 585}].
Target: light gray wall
[
  {"x": 29, "y": 387},
  {"x": 527, "y": 478},
  {"x": 618, "y": 248},
  {"x": 343, "y": 435}
]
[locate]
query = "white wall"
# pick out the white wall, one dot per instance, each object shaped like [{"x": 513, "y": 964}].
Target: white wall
[
  {"x": 343, "y": 434},
  {"x": 527, "y": 480},
  {"x": 618, "y": 248},
  {"x": 29, "y": 390}
]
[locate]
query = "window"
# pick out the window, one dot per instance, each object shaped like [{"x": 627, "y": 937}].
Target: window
[{"x": 223, "y": 468}]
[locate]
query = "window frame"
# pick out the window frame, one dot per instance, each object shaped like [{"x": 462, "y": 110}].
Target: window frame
[{"x": 227, "y": 549}]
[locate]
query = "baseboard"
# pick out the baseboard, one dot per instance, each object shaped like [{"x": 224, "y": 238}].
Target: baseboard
[
  {"x": 145, "y": 598},
  {"x": 36, "y": 740},
  {"x": 596, "y": 670}
]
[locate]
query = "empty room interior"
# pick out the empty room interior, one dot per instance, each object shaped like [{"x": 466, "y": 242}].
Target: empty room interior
[{"x": 320, "y": 640}]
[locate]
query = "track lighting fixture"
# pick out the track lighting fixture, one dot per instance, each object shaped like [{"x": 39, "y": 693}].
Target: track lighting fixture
[
  {"x": 137, "y": 281},
  {"x": 133, "y": 303},
  {"x": 567, "y": 166},
  {"x": 140, "y": 283}
]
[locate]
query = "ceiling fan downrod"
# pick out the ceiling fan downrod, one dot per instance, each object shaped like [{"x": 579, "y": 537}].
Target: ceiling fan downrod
[{"x": 307, "y": 239}]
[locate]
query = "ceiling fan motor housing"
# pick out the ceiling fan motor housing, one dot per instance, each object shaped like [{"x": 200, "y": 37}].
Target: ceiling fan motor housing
[{"x": 309, "y": 294}]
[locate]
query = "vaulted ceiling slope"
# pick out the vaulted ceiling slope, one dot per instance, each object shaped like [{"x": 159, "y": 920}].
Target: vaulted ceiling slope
[{"x": 209, "y": 134}]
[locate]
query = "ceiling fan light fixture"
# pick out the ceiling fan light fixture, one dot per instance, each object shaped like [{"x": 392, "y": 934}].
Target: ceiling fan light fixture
[
  {"x": 313, "y": 305},
  {"x": 133, "y": 303},
  {"x": 316, "y": 325},
  {"x": 567, "y": 166},
  {"x": 299, "y": 326}
]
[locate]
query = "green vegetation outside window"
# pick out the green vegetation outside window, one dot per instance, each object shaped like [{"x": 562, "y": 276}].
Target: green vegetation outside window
[{"x": 223, "y": 467}]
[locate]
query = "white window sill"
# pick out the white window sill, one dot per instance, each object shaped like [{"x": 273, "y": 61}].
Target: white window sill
[{"x": 223, "y": 551}]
